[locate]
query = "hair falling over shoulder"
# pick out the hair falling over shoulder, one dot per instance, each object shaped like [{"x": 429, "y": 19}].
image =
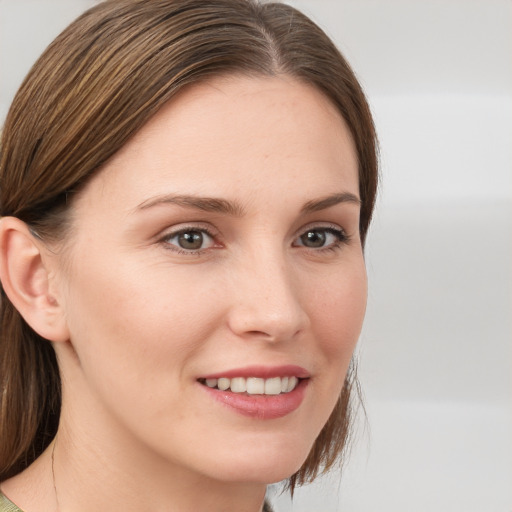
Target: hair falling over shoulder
[{"x": 92, "y": 89}]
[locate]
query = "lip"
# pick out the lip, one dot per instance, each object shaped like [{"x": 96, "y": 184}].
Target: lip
[
  {"x": 262, "y": 372},
  {"x": 261, "y": 407}
]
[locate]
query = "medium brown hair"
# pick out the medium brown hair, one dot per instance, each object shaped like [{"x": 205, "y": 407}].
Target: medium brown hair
[{"x": 93, "y": 88}]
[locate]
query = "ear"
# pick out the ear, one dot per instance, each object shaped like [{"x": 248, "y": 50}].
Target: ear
[{"x": 26, "y": 282}]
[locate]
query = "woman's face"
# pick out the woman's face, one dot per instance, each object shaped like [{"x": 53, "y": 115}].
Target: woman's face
[{"x": 219, "y": 247}]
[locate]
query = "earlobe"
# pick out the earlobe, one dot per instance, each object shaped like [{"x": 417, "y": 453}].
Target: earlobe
[{"x": 25, "y": 280}]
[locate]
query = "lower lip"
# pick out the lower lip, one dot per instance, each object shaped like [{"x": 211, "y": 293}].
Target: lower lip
[{"x": 263, "y": 407}]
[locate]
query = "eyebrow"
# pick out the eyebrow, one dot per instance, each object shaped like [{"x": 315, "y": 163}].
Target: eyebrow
[
  {"x": 235, "y": 209},
  {"x": 326, "y": 202},
  {"x": 205, "y": 204}
]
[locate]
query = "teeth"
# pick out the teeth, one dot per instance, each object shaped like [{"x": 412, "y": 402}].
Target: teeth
[
  {"x": 292, "y": 382},
  {"x": 238, "y": 385},
  {"x": 211, "y": 383},
  {"x": 223, "y": 384},
  {"x": 273, "y": 386},
  {"x": 255, "y": 385}
]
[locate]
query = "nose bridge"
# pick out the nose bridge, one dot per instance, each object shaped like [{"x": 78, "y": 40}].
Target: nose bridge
[{"x": 268, "y": 301}]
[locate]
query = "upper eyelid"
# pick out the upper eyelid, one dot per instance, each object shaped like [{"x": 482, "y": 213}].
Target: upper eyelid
[
  {"x": 321, "y": 225},
  {"x": 172, "y": 234},
  {"x": 215, "y": 233},
  {"x": 184, "y": 227}
]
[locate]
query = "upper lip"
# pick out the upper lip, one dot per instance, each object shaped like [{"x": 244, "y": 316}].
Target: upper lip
[{"x": 263, "y": 372}]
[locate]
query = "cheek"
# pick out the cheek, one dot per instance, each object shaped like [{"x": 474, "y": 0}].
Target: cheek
[
  {"x": 132, "y": 326},
  {"x": 338, "y": 310}
]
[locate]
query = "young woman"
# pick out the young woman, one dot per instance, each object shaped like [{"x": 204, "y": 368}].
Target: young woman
[{"x": 186, "y": 187}]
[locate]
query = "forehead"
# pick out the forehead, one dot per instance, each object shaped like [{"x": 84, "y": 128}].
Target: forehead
[{"x": 238, "y": 133}]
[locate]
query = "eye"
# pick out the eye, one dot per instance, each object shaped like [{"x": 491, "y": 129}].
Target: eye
[
  {"x": 320, "y": 238},
  {"x": 190, "y": 240}
]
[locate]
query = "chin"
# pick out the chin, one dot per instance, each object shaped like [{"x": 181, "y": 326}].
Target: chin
[
  {"x": 264, "y": 465},
  {"x": 265, "y": 474}
]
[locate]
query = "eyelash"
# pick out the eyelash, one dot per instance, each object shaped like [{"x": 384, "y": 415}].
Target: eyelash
[{"x": 342, "y": 239}]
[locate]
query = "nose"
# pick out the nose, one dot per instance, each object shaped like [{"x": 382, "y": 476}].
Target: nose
[{"x": 266, "y": 301}]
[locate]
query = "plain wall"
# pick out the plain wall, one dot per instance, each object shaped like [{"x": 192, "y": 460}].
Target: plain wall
[{"x": 435, "y": 354}]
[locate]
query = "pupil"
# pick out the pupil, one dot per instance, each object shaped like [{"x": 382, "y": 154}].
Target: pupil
[
  {"x": 313, "y": 239},
  {"x": 191, "y": 240}
]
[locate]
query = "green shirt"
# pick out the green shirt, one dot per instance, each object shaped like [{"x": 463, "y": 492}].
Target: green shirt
[{"x": 7, "y": 505}]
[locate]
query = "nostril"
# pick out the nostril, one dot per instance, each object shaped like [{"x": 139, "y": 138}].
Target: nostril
[{"x": 256, "y": 315}]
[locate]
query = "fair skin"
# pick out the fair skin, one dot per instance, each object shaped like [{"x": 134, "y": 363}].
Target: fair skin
[{"x": 155, "y": 290}]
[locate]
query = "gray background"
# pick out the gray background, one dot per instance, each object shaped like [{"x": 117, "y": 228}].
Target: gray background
[{"x": 435, "y": 354}]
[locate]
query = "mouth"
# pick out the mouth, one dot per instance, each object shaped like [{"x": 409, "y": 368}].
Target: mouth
[
  {"x": 259, "y": 392},
  {"x": 253, "y": 385}
]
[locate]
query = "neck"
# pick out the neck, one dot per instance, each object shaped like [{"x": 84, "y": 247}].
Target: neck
[
  {"x": 125, "y": 479},
  {"x": 91, "y": 469},
  {"x": 104, "y": 460}
]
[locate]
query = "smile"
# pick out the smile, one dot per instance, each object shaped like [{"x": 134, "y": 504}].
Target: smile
[
  {"x": 259, "y": 392},
  {"x": 253, "y": 385}
]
